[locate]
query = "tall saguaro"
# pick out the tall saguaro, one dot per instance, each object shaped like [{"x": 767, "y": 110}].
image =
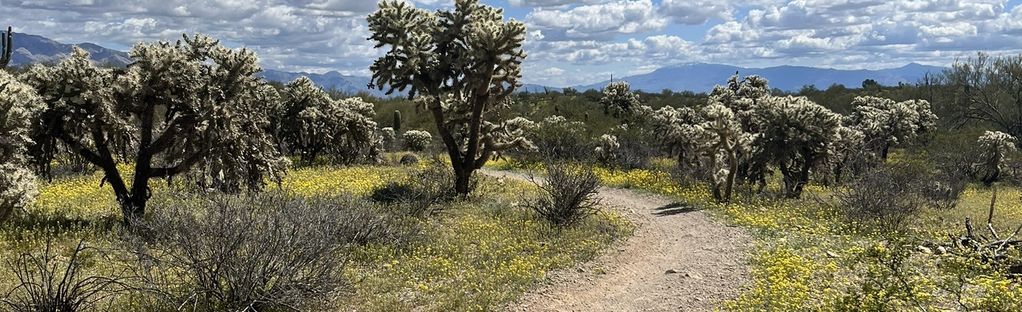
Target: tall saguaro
[{"x": 6, "y": 47}]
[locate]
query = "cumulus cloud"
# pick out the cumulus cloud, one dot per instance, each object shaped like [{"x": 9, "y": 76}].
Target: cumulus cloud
[
  {"x": 568, "y": 42},
  {"x": 598, "y": 20}
]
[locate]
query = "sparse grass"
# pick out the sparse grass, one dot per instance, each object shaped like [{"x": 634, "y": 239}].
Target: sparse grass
[
  {"x": 479, "y": 254},
  {"x": 809, "y": 257}
]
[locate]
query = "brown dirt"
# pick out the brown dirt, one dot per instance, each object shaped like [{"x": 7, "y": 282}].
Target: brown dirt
[{"x": 679, "y": 259}]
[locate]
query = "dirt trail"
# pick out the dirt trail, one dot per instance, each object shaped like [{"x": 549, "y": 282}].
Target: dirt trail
[{"x": 678, "y": 260}]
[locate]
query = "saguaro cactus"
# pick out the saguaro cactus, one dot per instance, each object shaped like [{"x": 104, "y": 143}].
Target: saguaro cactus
[
  {"x": 6, "y": 47},
  {"x": 397, "y": 121}
]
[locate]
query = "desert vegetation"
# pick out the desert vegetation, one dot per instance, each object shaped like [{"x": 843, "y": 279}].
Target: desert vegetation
[{"x": 186, "y": 181}]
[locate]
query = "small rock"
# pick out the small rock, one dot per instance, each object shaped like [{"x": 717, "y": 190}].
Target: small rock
[
  {"x": 692, "y": 276},
  {"x": 831, "y": 254},
  {"x": 581, "y": 270},
  {"x": 671, "y": 271},
  {"x": 941, "y": 250},
  {"x": 924, "y": 250}
]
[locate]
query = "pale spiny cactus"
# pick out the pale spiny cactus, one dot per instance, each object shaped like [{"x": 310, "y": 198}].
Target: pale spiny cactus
[
  {"x": 463, "y": 64},
  {"x": 18, "y": 106},
  {"x": 887, "y": 123},
  {"x": 994, "y": 148},
  {"x": 190, "y": 106},
  {"x": 311, "y": 124},
  {"x": 618, "y": 99}
]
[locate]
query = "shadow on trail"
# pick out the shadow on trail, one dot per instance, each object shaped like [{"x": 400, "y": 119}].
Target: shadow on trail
[{"x": 675, "y": 209}]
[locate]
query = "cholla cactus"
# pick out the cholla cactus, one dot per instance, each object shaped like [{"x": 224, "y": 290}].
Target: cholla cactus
[
  {"x": 19, "y": 105},
  {"x": 679, "y": 131},
  {"x": 17, "y": 189},
  {"x": 193, "y": 105},
  {"x": 847, "y": 151},
  {"x": 994, "y": 148},
  {"x": 312, "y": 124},
  {"x": 741, "y": 96},
  {"x": 606, "y": 148},
  {"x": 464, "y": 64},
  {"x": 619, "y": 100},
  {"x": 389, "y": 138},
  {"x": 795, "y": 135},
  {"x": 724, "y": 142},
  {"x": 416, "y": 140},
  {"x": 887, "y": 123}
]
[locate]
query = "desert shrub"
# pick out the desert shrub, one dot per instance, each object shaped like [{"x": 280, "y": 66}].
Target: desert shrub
[
  {"x": 263, "y": 252},
  {"x": 951, "y": 174},
  {"x": 888, "y": 280},
  {"x": 393, "y": 192},
  {"x": 409, "y": 159},
  {"x": 568, "y": 193},
  {"x": 51, "y": 282},
  {"x": 424, "y": 192},
  {"x": 557, "y": 138},
  {"x": 416, "y": 140},
  {"x": 625, "y": 147},
  {"x": 885, "y": 197}
]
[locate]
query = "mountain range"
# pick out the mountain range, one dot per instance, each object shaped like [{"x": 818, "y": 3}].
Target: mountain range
[
  {"x": 696, "y": 77},
  {"x": 700, "y": 77}
]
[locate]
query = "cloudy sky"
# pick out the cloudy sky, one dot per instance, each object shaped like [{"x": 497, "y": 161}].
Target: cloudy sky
[{"x": 569, "y": 42}]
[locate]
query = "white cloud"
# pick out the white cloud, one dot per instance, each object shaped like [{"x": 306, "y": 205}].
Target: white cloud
[
  {"x": 601, "y": 21},
  {"x": 568, "y": 42}
]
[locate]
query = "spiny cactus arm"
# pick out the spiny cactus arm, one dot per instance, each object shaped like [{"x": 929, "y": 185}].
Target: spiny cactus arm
[{"x": 7, "y": 47}]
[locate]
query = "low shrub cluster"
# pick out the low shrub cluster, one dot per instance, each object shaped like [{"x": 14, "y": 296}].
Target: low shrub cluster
[
  {"x": 265, "y": 252},
  {"x": 568, "y": 193},
  {"x": 423, "y": 192}
]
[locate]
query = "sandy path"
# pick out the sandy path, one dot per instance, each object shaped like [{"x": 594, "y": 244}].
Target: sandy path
[{"x": 678, "y": 260}]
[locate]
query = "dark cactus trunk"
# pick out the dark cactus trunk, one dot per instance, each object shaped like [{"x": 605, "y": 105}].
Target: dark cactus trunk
[
  {"x": 462, "y": 182},
  {"x": 795, "y": 179}
]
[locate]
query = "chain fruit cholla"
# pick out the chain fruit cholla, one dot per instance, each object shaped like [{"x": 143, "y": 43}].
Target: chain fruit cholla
[{"x": 463, "y": 65}]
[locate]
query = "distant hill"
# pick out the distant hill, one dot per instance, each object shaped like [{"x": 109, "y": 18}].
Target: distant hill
[
  {"x": 331, "y": 81},
  {"x": 31, "y": 49},
  {"x": 701, "y": 77},
  {"x": 697, "y": 77}
]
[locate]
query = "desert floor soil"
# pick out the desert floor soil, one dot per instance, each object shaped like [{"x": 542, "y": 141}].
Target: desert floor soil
[{"x": 679, "y": 259}]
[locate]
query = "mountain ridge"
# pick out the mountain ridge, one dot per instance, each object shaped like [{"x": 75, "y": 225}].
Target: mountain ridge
[
  {"x": 695, "y": 77},
  {"x": 702, "y": 77}
]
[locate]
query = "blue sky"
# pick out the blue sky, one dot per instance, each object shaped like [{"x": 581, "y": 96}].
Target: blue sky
[{"x": 569, "y": 42}]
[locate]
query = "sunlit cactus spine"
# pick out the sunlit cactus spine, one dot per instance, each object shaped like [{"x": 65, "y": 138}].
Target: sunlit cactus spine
[{"x": 6, "y": 47}]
